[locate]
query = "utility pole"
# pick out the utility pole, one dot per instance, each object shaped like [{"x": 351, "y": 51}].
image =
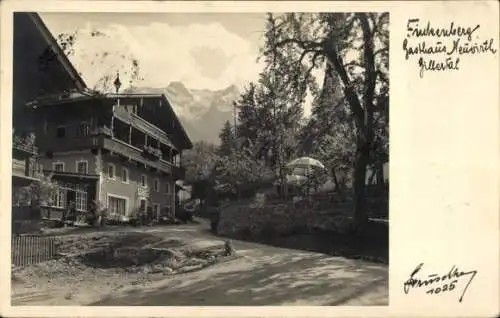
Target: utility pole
[
  {"x": 234, "y": 120},
  {"x": 278, "y": 118}
]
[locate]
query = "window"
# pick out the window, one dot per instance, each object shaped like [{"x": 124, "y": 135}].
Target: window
[
  {"x": 144, "y": 180},
  {"x": 58, "y": 166},
  {"x": 116, "y": 205},
  {"x": 124, "y": 175},
  {"x": 61, "y": 132},
  {"x": 167, "y": 187},
  {"x": 157, "y": 185},
  {"x": 111, "y": 171},
  {"x": 59, "y": 199},
  {"x": 82, "y": 167},
  {"x": 81, "y": 200},
  {"x": 83, "y": 129},
  {"x": 156, "y": 210}
]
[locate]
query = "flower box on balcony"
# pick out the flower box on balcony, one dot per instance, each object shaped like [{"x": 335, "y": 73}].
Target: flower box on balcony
[
  {"x": 25, "y": 144},
  {"x": 152, "y": 151}
]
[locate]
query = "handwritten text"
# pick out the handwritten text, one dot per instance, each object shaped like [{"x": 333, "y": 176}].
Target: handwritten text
[
  {"x": 435, "y": 284},
  {"x": 442, "y": 48}
]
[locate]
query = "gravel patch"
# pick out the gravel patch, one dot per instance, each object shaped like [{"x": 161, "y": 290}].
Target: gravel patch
[{"x": 92, "y": 266}]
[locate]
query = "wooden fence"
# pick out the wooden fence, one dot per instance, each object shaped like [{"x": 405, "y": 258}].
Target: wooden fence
[{"x": 32, "y": 249}]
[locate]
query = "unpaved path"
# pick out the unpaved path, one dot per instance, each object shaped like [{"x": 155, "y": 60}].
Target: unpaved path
[{"x": 262, "y": 275}]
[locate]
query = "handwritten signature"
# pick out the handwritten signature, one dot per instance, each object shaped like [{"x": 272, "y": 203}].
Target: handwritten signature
[{"x": 436, "y": 284}]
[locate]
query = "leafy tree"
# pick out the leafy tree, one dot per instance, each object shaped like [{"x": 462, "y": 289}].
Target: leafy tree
[
  {"x": 270, "y": 110},
  {"x": 36, "y": 193},
  {"x": 254, "y": 123},
  {"x": 355, "y": 46},
  {"x": 329, "y": 135},
  {"x": 101, "y": 62},
  {"x": 283, "y": 91},
  {"x": 242, "y": 172},
  {"x": 200, "y": 164}
]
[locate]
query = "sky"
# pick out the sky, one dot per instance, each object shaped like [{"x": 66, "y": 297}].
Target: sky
[{"x": 202, "y": 50}]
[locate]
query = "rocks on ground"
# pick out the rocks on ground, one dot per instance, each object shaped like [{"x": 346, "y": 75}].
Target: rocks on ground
[{"x": 105, "y": 262}]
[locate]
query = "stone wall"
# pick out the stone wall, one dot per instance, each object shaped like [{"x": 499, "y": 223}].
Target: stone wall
[
  {"x": 266, "y": 219},
  {"x": 279, "y": 219}
]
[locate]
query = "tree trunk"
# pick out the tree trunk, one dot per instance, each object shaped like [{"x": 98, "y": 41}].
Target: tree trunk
[
  {"x": 338, "y": 187},
  {"x": 362, "y": 111},
  {"x": 360, "y": 212}
]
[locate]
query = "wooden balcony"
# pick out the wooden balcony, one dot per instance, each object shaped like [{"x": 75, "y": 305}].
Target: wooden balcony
[
  {"x": 119, "y": 147},
  {"x": 112, "y": 145},
  {"x": 142, "y": 125}
]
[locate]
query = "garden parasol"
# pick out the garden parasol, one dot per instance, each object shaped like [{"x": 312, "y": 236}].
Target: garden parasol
[
  {"x": 305, "y": 162},
  {"x": 307, "y": 165}
]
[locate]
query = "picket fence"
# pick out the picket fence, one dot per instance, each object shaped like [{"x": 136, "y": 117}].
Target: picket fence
[{"x": 32, "y": 249}]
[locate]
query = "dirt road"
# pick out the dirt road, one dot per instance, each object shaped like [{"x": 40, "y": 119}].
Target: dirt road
[{"x": 263, "y": 275}]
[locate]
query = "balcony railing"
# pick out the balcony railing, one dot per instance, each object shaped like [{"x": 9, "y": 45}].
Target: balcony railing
[
  {"x": 143, "y": 125},
  {"x": 114, "y": 145},
  {"x": 136, "y": 154}
]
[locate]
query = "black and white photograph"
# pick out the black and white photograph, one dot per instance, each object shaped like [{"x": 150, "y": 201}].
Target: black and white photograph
[
  {"x": 231, "y": 158},
  {"x": 200, "y": 159}
]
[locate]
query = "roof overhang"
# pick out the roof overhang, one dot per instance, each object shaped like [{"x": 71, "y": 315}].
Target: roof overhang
[
  {"x": 72, "y": 97},
  {"x": 22, "y": 180},
  {"x": 59, "y": 53}
]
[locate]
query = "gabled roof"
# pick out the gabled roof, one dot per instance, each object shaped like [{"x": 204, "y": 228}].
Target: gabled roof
[
  {"x": 60, "y": 55},
  {"x": 71, "y": 97},
  {"x": 81, "y": 91}
]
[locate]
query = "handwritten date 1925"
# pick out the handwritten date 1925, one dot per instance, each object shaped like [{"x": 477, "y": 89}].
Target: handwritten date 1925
[
  {"x": 446, "y": 287},
  {"x": 437, "y": 284}
]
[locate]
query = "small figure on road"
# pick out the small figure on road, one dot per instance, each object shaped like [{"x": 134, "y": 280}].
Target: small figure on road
[{"x": 228, "y": 246}]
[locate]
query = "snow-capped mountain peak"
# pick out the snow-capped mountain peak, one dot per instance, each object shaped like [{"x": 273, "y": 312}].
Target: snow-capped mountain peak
[{"x": 201, "y": 111}]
